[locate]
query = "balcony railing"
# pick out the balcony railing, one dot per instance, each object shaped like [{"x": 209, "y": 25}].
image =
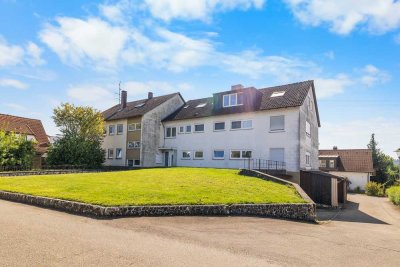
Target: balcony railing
[{"x": 264, "y": 165}]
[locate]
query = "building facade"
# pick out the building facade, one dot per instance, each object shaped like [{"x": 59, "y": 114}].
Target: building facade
[{"x": 223, "y": 131}]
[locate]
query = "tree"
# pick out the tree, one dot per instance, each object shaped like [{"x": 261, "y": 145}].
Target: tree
[
  {"x": 16, "y": 150},
  {"x": 382, "y": 163},
  {"x": 82, "y": 131}
]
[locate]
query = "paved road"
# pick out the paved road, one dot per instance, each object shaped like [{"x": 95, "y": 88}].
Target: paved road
[{"x": 367, "y": 233}]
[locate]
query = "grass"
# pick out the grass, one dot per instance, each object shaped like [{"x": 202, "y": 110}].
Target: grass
[
  {"x": 154, "y": 187},
  {"x": 394, "y": 194}
]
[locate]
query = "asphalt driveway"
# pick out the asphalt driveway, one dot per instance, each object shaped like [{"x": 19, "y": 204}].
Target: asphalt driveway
[{"x": 367, "y": 233}]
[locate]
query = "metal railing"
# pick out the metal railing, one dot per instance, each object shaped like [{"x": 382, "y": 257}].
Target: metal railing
[{"x": 264, "y": 165}]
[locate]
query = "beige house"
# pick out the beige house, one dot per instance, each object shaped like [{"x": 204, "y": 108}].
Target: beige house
[{"x": 132, "y": 134}]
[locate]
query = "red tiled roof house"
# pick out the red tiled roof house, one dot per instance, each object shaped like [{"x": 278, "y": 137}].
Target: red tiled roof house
[{"x": 32, "y": 128}]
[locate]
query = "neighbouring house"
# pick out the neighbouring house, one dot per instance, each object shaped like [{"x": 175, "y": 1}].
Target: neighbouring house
[
  {"x": 354, "y": 164},
  {"x": 132, "y": 129},
  {"x": 276, "y": 123},
  {"x": 33, "y": 130}
]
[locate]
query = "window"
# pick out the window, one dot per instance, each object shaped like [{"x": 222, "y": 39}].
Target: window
[
  {"x": 186, "y": 106},
  {"x": 30, "y": 138},
  {"x": 133, "y": 144},
  {"x": 218, "y": 154},
  {"x": 111, "y": 129},
  {"x": 276, "y": 94},
  {"x": 186, "y": 154},
  {"x": 322, "y": 163},
  {"x": 310, "y": 104},
  {"x": 140, "y": 105},
  {"x": 219, "y": 126},
  {"x": 137, "y": 162},
  {"x": 308, "y": 159},
  {"x": 231, "y": 100},
  {"x": 332, "y": 164},
  {"x": 134, "y": 127},
  {"x": 133, "y": 162},
  {"x": 110, "y": 153},
  {"x": 170, "y": 132},
  {"x": 188, "y": 128},
  {"x": 120, "y": 129},
  {"x": 240, "y": 154},
  {"x": 308, "y": 129},
  {"x": 130, "y": 162},
  {"x": 182, "y": 129},
  {"x": 198, "y": 128},
  {"x": 247, "y": 124},
  {"x": 118, "y": 153},
  {"x": 201, "y": 105},
  {"x": 277, "y": 154},
  {"x": 198, "y": 155},
  {"x": 277, "y": 123}
]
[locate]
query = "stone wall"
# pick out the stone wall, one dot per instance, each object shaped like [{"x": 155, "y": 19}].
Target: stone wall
[{"x": 305, "y": 212}]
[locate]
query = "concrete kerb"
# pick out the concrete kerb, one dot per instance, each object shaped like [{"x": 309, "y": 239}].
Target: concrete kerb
[{"x": 301, "y": 211}]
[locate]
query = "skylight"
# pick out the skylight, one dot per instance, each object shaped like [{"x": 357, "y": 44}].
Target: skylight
[
  {"x": 139, "y": 105},
  {"x": 201, "y": 105},
  {"x": 186, "y": 106},
  {"x": 276, "y": 94}
]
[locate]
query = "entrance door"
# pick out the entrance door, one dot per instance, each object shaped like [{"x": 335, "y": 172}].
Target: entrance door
[{"x": 166, "y": 160}]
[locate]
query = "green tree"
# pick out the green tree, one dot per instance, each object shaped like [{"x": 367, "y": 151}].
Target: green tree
[
  {"x": 16, "y": 150},
  {"x": 82, "y": 131},
  {"x": 382, "y": 163}
]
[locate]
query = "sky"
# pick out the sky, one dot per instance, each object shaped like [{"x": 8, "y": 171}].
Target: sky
[{"x": 53, "y": 52}]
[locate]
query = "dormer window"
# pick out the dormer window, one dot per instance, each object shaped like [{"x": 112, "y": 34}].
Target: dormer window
[
  {"x": 276, "y": 94},
  {"x": 231, "y": 100}
]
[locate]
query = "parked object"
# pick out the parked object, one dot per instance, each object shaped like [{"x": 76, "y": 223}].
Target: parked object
[
  {"x": 324, "y": 188},
  {"x": 354, "y": 164},
  {"x": 33, "y": 130}
]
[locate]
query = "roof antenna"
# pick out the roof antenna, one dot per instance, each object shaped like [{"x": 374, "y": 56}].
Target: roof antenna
[{"x": 119, "y": 92}]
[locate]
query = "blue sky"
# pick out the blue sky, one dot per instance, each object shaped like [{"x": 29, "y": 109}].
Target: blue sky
[{"x": 78, "y": 51}]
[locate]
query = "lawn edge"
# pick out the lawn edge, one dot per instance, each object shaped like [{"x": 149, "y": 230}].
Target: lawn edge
[{"x": 294, "y": 211}]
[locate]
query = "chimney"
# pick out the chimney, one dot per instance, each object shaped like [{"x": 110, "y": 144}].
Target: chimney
[
  {"x": 236, "y": 87},
  {"x": 124, "y": 97},
  {"x": 150, "y": 95},
  {"x": 335, "y": 148}
]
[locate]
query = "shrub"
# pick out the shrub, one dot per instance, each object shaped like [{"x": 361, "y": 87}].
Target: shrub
[
  {"x": 394, "y": 194},
  {"x": 374, "y": 189}
]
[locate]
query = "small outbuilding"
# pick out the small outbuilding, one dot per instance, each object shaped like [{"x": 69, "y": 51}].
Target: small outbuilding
[{"x": 324, "y": 188}]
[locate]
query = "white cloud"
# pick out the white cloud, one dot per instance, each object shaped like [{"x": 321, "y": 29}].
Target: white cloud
[
  {"x": 15, "y": 106},
  {"x": 75, "y": 40},
  {"x": 371, "y": 75},
  {"x": 88, "y": 93},
  {"x": 356, "y": 134},
  {"x": 10, "y": 55},
  {"x": 34, "y": 53},
  {"x": 344, "y": 16},
  {"x": 11, "y": 83},
  {"x": 327, "y": 87},
  {"x": 197, "y": 10}
]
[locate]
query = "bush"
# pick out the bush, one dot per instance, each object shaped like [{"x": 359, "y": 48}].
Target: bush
[
  {"x": 394, "y": 194},
  {"x": 374, "y": 189}
]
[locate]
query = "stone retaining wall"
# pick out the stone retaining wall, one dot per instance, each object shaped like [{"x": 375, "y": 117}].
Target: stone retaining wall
[{"x": 305, "y": 212}]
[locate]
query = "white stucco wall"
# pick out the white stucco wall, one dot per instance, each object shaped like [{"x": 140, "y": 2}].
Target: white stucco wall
[
  {"x": 116, "y": 141},
  {"x": 258, "y": 139},
  {"x": 357, "y": 179}
]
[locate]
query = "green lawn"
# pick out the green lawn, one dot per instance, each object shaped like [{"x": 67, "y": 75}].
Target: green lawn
[{"x": 154, "y": 187}]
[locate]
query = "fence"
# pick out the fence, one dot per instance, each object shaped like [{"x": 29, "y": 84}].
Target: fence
[{"x": 264, "y": 165}]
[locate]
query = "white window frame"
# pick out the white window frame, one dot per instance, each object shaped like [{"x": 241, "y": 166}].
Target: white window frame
[
  {"x": 108, "y": 153},
  {"x": 186, "y": 129},
  {"x": 166, "y": 131},
  {"x": 220, "y": 130},
  {"x": 308, "y": 129},
  {"x": 241, "y": 125},
  {"x": 134, "y": 127},
  {"x": 109, "y": 130},
  {"x": 186, "y": 158},
  {"x": 197, "y": 124},
  {"x": 332, "y": 163},
  {"x": 116, "y": 153},
  {"x": 229, "y": 100},
  {"x": 277, "y": 130},
  {"x": 218, "y": 158},
  {"x": 118, "y": 132},
  {"x": 195, "y": 157},
  {"x": 127, "y": 162},
  {"x": 308, "y": 159},
  {"x": 324, "y": 163},
  {"x": 134, "y": 162},
  {"x": 135, "y": 145},
  {"x": 182, "y": 128},
  {"x": 241, "y": 153}
]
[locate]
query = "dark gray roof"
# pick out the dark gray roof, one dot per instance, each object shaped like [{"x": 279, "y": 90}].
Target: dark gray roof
[
  {"x": 131, "y": 110},
  {"x": 294, "y": 96}
]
